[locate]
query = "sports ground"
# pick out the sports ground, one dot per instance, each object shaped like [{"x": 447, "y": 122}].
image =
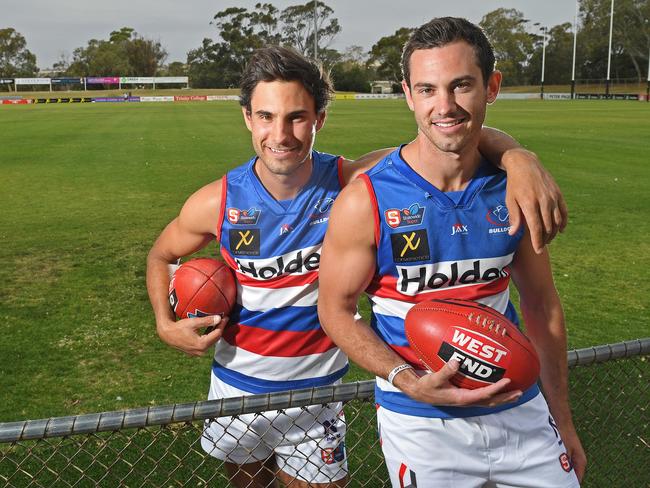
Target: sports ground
[{"x": 86, "y": 188}]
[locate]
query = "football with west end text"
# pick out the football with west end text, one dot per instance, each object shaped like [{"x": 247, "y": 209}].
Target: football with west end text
[
  {"x": 202, "y": 287},
  {"x": 485, "y": 343}
]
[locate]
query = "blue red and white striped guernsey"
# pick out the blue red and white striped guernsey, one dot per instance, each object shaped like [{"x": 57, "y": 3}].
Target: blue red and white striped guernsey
[
  {"x": 274, "y": 340},
  {"x": 432, "y": 244}
]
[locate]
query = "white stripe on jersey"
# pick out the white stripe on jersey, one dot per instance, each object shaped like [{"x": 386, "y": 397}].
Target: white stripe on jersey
[
  {"x": 397, "y": 308},
  {"x": 275, "y": 368},
  {"x": 259, "y": 299}
]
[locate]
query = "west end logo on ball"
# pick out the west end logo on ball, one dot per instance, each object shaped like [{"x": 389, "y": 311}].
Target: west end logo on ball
[{"x": 480, "y": 357}]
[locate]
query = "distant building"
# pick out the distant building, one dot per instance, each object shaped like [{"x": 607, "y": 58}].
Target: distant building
[{"x": 381, "y": 86}]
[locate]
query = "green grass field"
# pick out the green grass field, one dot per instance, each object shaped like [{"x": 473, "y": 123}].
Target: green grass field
[{"x": 87, "y": 188}]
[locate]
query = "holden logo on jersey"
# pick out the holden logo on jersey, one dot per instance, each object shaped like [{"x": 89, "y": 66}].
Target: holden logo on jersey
[
  {"x": 480, "y": 357},
  {"x": 245, "y": 242},
  {"x": 406, "y": 477},
  {"x": 499, "y": 218},
  {"x": 331, "y": 430},
  {"x": 459, "y": 228},
  {"x": 412, "y": 280},
  {"x": 295, "y": 262},
  {"x": 404, "y": 217},
  {"x": 410, "y": 246},
  {"x": 243, "y": 217}
]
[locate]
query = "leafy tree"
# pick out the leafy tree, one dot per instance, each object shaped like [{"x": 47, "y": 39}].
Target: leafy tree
[
  {"x": 386, "y": 54},
  {"x": 351, "y": 76},
  {"x": 175, "y": 68},
  {"x": 513, "y": 46},
  {"x": 15, "y": 59},
  {"x": 630, "y": 39},
  {"x": 298, "y": 27},
  {"x": 125, "y": 53}
]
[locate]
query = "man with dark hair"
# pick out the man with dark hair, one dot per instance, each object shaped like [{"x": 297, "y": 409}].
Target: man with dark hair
[
  {"x": 433, "y": 433},
  {"x": 269, "y": 217}
]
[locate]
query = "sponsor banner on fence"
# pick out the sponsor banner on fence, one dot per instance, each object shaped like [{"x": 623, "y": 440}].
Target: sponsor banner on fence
[
  {"x": 21, "y": 101},
  {"x": 102, "y": 80},
  {"x": 603, "y": 96},
  {"x": 172, "y": 79},
  {"x": 190, "y": 98},
  {"x": 32, "y": 81},
  {"x": 518, "y": 96},
  {"x": 212, "y": 98},
  {"x": 557, "y": 96},
  {"x": 377, "y": 96},
  {"x": 130, "y": 80},
  {"x": 156, "y": 99},
  {"x": 344, "y": 96},
  {"x": 6, "y": 81},
  {"x": 63, "y": 100},
  {"x": 116, "y": 99},
  {"x": 67, "y": 81}
]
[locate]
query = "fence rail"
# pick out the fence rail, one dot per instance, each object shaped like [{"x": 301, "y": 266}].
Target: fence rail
[{"x": 160, "y": 446}]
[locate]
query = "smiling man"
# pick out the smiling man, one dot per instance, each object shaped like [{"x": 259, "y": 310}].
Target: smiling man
[
  {"x": 269, "y": 217},
  {"x": 433, "y": 433}
]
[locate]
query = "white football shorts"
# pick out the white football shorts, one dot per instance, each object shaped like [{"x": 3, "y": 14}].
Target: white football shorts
[
  {"x": 519, "y": 447},
  {"x": 308, "y": 443}
]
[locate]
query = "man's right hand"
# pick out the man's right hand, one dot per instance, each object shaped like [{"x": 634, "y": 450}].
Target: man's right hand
[
  {"x": 436, "y": 389},
  {"x": 185, "y": 335}
]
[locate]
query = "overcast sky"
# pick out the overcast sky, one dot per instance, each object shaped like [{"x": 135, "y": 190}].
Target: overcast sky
[{"x": 53, "y": 28}]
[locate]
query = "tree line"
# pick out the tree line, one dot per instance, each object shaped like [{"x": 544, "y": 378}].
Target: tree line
[{"x": 218, "y": 62}]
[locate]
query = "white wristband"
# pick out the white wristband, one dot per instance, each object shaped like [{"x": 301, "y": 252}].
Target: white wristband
[{"x": 396, "y": 370}]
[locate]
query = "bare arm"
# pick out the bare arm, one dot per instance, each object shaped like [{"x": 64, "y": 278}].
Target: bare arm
[
  {"x": 192, "y": 230},
  {"x": 347, "y": 265},
  {"x": 532, "y": 193},
  {"x": 544, "y": 319}
]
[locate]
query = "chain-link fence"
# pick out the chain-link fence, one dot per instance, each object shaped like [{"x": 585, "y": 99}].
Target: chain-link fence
[{"x": 161, "y": 446}]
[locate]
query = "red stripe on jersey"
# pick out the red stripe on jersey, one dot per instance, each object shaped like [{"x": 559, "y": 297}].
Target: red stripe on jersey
[
  {"x": 222, "y": 206},
  {"x": 277, "y": 343},
  {"x": 339, "y": 168},
  {"x": 279, "y": 282},
  {"x": 386, "y": 286},
  {"x": 373, "y": 200}
]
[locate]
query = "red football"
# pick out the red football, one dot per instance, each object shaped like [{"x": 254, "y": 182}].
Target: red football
[
  {"x": 486, "y": 344},
  {"x": 202, "y": 287}
]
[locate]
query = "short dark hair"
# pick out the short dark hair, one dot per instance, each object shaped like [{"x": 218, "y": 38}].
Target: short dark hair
[
  {"x": 445, "y": 30},
  {"x": 280, "y": 63}
]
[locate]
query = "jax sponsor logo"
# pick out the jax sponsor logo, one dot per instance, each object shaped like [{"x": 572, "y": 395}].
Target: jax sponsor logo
[
  {"x": 480, "y": 357},
  {"x": 459, "y": 228},
  {"x": 499, "y": 219},
  {"x": 285, "y": 229},
  {"x": 416, "y": 279},
  {"x": 404, "y": 217},
  {"x": 321, "y": 211},
  {"x": 296, "y": 262},
  {"x": 243, "y": 217}
]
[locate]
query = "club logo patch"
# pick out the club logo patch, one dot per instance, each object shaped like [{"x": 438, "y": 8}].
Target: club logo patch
[
  {"x": 321, "y": 211},
  {"x": 499, "y": 219},
  {"x": 404, "y": 217},
  {"x": 565, "y": 462},
  {"x": 331, "y": 455},
  {"x": 480, "y": 357},
  {"x": 245, "y": 242},
  {"x": 243, "y": 217},
  {"x": 410, "y": 246}
]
